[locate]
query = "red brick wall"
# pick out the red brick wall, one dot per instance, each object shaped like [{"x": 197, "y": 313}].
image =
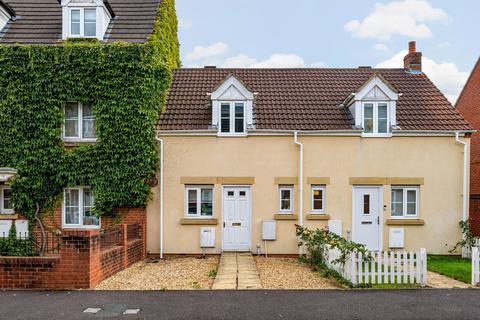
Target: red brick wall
[
  {"x": 468, "y": 105},
  {"x": 81, "y": 263}
]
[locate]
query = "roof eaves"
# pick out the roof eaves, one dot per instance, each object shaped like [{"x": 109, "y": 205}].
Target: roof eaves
[
  {"x": 375, "y": 74},
  {"x": 232, "y": 74},
  {"x": 7, "y": 8},
  {"x": 109, "y": 8}
]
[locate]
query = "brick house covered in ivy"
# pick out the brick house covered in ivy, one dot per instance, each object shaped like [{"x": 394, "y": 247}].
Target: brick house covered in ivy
[{"x": 89, "y": 68}]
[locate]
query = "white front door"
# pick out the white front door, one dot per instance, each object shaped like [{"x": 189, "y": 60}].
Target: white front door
[
  {"x": 236, "y": 218},
  {"x": 367, "y": 221}
]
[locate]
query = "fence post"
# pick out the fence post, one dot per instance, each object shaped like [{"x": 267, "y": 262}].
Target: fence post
[
  {"x": 475, "y": 266},
  {"x": 423, "y": 263},
  {"x": 353, "y": 270}
]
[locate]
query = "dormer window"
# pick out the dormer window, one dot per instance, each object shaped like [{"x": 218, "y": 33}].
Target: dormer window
[
  {"x": 232, "y": 117},
  {"x": 375, "y": 118},
  {"x": 83, "y": 22},
  {"x": 374, "y": 107},
  {"x": 232, "y": 108},
  {"x": 85, "y": 18}
]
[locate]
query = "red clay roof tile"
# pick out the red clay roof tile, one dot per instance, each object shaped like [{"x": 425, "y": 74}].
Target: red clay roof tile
[{"x": 306, "y": 99}]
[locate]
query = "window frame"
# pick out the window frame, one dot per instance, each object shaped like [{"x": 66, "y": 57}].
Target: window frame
[
  {"x": 375, "y": 118},
  {"x": 2, "y": 197},
  {"x": 82, "y": 22},
  {"x": 198, "y": 189},
  {"x": 79, "y": 137},
  {"x": 312, "y": 207},
  {"x": 80, "y": 224},
  {"x": 280, "y": 189},
  {"x": 405, "y": 190},
  {"x": 232, "y": 118}
]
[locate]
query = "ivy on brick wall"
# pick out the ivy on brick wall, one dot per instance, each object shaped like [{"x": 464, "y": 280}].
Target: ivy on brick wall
[{"x": 125, "y": 83}]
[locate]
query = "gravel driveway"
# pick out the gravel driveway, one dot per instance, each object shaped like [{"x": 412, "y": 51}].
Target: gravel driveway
[
  {"x": 171, "y": 274},
  {"x": 288, "y": 273}
]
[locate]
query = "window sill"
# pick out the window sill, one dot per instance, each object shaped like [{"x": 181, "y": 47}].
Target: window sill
[
  {"x": 8, "y": 216},
  {"x": 284, "y": 216},
  {"x": 81, "y": 227},
  {"x": 232, "y": 135},
  {"x": 405, "y": 222},
  {"x": 75, "y": 143},
  {"x": 376, "y": 135},
  {"x": 318, "y": 216},
  {"x": 198, "y": 222}
]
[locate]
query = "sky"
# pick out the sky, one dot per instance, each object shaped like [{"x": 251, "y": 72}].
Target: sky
[{"x": 340, "y": 33}]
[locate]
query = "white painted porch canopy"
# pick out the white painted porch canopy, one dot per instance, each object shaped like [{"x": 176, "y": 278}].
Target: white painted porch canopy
[{"x": 6, "y": 174}]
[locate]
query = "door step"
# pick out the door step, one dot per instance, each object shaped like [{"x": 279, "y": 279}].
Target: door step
[{"x": 236, "y": 271}]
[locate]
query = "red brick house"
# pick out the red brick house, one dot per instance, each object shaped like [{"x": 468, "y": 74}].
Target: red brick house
[{"x": 468, "y": 104}]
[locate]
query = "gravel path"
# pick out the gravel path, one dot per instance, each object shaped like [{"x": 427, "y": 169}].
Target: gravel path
[
  {"x": 170, "y": 273},
  {"x": 288, "y": 273}
]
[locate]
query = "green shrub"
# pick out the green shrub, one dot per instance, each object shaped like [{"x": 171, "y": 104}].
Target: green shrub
[{"x": 12, "y": 246}]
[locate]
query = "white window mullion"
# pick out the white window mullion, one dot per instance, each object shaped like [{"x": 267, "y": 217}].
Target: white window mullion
[
  {"x": 80, "y": 120},
  {"x": 375, "y": 117},
  {"x": 80, "y": 206},
  {"x": 199, "y": 202},
  {"x": 232, "y": 117},
  {"x": 82, "y": 22}
]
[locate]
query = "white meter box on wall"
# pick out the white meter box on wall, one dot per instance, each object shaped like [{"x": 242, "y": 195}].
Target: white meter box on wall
[
  {"x": 207, "y": 237},
  {"x": 269, "y": 230}
]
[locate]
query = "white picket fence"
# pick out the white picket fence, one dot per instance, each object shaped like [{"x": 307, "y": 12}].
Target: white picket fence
[
  {"x": 394, "y": 267},
  {"x": 475, "y": 266}
]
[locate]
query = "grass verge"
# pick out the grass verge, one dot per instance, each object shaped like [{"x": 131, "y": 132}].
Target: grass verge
[{"x": 454, "y": 267}]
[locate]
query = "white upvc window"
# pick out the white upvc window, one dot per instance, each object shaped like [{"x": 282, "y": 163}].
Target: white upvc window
[
  {"x": 404, "y": 202},
  {"x": 375, "y": 118},
  {"x": 199, "y": 201},
  {"x": 318, "y": 199},
  {"x": 6, "y": 204},
  {"x": 77, "y": 211},
  {"x": 79, "y": 122},
  {"x": 83, "y": 22},
  {"x": 232, "y": 118},
  {"x": 285, "y": 193}
]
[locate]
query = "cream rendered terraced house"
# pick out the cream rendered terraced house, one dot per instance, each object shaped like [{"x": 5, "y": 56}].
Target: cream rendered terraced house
[{"x": 378, "y": 155}]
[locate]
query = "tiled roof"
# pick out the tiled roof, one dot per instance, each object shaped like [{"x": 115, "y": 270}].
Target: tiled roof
[
  {"x": 306, "y": 99},
  {"x": 40, "y": 21}
]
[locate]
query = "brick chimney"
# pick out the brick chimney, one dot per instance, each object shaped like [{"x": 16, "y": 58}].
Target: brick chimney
[{"x": 413, "y": 60}]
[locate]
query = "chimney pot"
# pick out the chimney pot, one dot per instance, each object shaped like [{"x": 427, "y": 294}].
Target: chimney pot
[
  {"x": 412, "y": 47},
  {"x": 413, "y": 60}
]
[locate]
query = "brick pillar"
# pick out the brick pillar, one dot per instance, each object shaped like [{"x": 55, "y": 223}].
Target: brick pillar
[
  {"x": 80, "y": 258},
  {"x": 124, "y": 243}
]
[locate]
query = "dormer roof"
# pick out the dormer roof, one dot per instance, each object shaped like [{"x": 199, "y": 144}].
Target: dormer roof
[{"x": 40, "y": 22}]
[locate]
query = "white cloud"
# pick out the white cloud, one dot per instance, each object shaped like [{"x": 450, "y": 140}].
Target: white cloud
[
  {"x": 277, "y": 60},
  {"x": 213, "y": 50},
  {"x": 446, "y": 75},
  {"x": 381, "y": 47},
  {"x": 407, "y": 18},
  {"x": 281, "y": 61},
  {"x": 445, "y": 44},
  {"x": 318, "y": 64},
  {"x": 240, "y": 61},
  {"x": 184, "y": 24}
]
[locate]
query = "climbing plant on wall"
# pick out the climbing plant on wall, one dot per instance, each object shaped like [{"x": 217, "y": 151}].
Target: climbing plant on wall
[{"x": 125, "y": 83}]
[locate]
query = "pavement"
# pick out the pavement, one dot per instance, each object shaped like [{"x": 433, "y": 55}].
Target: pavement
[
  {"x": 435, "y": 280},
  {"x": 237, "y": 271},
  {"x": 243, "y": 304}
]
